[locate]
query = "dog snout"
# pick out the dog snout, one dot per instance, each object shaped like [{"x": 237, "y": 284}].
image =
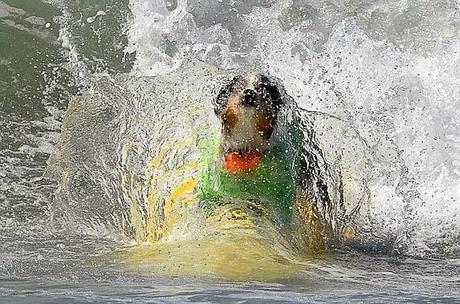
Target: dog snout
[{"x": 249, "y": 98}]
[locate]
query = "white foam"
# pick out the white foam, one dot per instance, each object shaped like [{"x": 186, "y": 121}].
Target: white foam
[
  {"x": 93, "y": 18},
  {"x": 392, "y": 72}
]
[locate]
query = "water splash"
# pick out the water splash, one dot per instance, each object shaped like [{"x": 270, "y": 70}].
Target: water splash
[
  {"x": 138, "y": 175},
  {"x": 366, "y": 91},
  {"x": 379, "y": 81},
  {"x": 389, "y": 71}
]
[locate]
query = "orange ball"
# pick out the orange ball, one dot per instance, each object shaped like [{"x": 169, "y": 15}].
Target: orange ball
[{"x": 235, "y": 162}]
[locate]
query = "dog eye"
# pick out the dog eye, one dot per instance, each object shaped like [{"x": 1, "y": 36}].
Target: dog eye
[
  {"x": 249, "y": 97},
  {"x": 262, "y": 92},
  {"x": 271, "y": 94}
]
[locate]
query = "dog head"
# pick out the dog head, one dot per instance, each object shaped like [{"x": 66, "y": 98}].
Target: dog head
[{"x": 248, "y": 108}]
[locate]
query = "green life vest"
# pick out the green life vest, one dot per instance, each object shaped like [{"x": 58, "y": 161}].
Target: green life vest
[{"x": 272, "y": 183}]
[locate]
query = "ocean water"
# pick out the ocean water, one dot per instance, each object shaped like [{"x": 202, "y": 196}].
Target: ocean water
[{"x": 103, "y": 105}]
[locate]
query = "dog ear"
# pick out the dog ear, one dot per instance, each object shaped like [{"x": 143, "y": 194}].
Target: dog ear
[
  {"x": 272, "y": 90},
  {"x": 222, "y": 98},
  {"x": 275, "y": 95}
]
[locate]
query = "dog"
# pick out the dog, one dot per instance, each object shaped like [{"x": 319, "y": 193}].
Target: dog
[{"x": 261, "y": 159}]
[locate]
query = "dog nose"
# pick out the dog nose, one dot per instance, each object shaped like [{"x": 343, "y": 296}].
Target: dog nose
[{"x": 249, "y": 98}]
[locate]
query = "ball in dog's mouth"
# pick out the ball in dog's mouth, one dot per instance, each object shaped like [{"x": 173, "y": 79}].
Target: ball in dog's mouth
[
  {"x": 247, "y": 107},
  {"x": 235, "y": 162}
]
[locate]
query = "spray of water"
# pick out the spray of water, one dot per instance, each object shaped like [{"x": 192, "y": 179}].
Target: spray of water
[
  {"x": 379, "y": 86},
  {"x": 389, "y": 76}
]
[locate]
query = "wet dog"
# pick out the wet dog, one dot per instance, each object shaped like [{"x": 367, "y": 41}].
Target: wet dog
[
  {"x": 262, "y": 157},
  {"x": 248, "y": 108}
]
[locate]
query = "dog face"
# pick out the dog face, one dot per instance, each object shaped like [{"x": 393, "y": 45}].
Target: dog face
[{"x": 248, "y": 109}]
